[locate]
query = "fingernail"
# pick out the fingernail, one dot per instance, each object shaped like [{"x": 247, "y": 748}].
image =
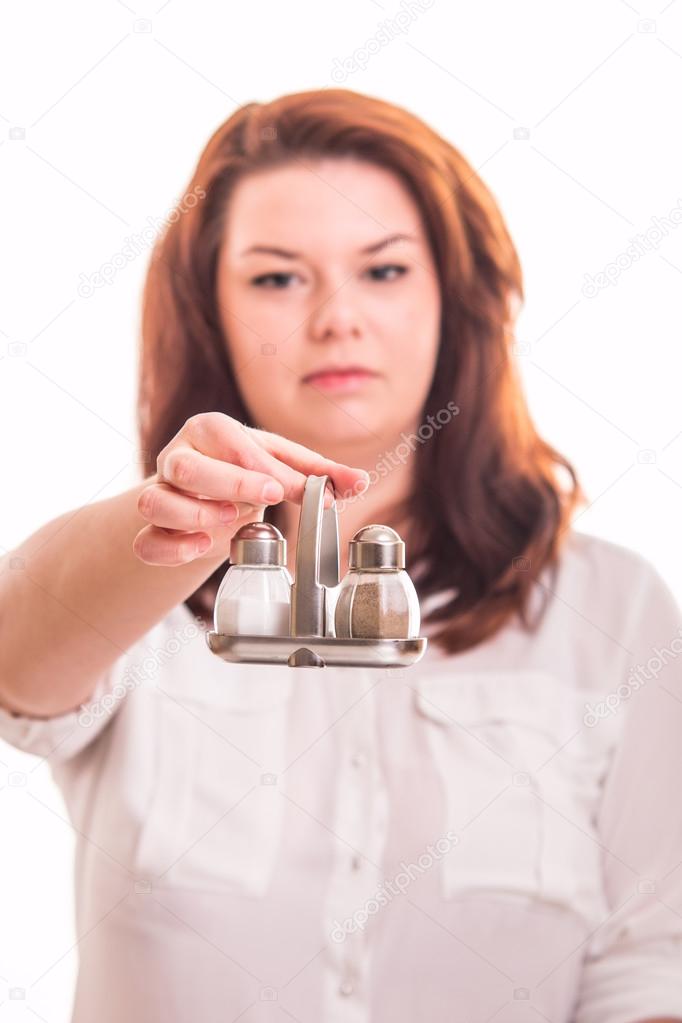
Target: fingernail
[
  {"x": 203, "y": 544},
  {"x": 272, "y": 491},
  {"x": 227, "y": 513}
]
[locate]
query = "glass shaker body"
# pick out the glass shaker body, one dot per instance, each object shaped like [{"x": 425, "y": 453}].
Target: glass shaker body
[
  {"x": 254, "y": 601},
  {"x": 379, "y": 604}
]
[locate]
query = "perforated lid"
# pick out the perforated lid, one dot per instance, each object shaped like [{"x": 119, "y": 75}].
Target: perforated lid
[
  {"x": 376, "y": 547},
  {"x": 258, "y": 543}
]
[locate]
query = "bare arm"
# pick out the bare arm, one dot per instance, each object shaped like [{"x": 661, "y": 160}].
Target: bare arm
[
  {"x": 93, "y": 581},
  {"x": 80, "y": 600}
]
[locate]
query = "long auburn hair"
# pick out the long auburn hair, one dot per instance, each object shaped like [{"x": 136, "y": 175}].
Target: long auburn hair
[{"x": 487, "y": 498}]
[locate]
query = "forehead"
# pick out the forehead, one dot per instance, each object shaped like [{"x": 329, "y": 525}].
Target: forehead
[{"x": 330, "y": 203}]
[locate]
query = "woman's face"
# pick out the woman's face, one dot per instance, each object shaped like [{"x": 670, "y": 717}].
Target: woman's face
[{"x": 304, "y": 286}]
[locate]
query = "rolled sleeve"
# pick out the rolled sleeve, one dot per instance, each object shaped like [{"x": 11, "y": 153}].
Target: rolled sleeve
[
  {"x": 64, "y": 735},
  {"x": 633, "y": 963}
]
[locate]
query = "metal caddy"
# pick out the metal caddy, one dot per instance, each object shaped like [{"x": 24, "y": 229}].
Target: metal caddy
[{"x": 312, "y": 643}]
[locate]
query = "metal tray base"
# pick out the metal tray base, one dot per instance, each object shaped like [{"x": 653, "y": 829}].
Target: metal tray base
[{"x": 318, "y": 651}]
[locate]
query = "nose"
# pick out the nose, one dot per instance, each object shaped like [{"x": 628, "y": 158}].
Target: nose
[{"x": 335, "y": 317}]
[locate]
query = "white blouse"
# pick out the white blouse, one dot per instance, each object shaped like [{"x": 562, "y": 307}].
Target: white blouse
[{"x": 490, "y": 836}]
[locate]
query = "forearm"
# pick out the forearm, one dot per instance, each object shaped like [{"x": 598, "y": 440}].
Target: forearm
[{"x": 77, "y": 598}]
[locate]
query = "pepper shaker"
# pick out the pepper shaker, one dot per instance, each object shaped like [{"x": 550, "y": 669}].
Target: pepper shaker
[{"x": 376, "y": 598}]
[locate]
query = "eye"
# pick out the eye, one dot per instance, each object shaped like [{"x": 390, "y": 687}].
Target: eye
[
  {"x": 279, "y": 281},
  {"x": 259, "y": 282},
  {"x": 381, "y": 270}
]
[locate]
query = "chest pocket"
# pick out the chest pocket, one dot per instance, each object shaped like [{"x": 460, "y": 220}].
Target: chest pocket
[
  {"x": 214, "y": 820},
  {"x": 521, "y": 780}
]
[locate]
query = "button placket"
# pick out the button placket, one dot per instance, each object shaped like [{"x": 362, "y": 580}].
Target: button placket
[{"x": 361, "y": 827}]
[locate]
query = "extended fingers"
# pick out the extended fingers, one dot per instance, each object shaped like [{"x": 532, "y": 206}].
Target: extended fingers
[
  {"x": 164, "y": 506},
  {"x": 156, "y": 546},
  {"x": 345, "y": 478},
  {"x": 224, "y": 438},
  {"x": 202, "y": 476}
]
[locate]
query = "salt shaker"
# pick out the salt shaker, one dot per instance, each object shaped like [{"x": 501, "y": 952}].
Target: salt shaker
[
  {"x": 376, "y": 598},
  {"x": 254, "y": 597}
]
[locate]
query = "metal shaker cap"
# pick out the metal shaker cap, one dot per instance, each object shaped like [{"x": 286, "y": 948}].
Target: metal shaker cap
[
  {"x": 258, "y": 543},
  {"x": 376, "y": 547}
]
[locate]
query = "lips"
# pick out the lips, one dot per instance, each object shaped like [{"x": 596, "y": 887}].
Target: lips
[
  {"x": 337, "y": 371},
  {"x": 339, "y": 378}
]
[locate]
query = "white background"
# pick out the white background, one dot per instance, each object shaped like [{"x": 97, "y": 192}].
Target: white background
[{"x": 103, "y": 115}]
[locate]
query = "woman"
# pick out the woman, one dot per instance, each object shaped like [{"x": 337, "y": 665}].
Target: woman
[{"x": 492, "y": 833}]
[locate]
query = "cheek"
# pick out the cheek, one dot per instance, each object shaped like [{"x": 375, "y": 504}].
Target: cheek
[
  {"x": 416, "y": 300},
  {"x": 414, "y": 350},
  {"x": 415, "y": 329},
  {"x": 270, "y": 317},
  {"x": 251, "y": 319},
  {"x": 261, "y": 375},
  {"x": 247, "y": 330},
  {"x": 265, "y": 386}
]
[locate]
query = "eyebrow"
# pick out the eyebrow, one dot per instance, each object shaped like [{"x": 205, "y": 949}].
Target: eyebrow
[{"x": 368, "y": 250}]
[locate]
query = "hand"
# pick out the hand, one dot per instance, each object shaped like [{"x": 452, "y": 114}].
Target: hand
[{"x": 217, "y": 474}]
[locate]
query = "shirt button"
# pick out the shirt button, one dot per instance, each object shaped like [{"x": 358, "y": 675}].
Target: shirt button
[
  {"x": 358, "y": 759},
  {"x": 346, "y": 987},
  {"x": 356, "y": 863}
]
